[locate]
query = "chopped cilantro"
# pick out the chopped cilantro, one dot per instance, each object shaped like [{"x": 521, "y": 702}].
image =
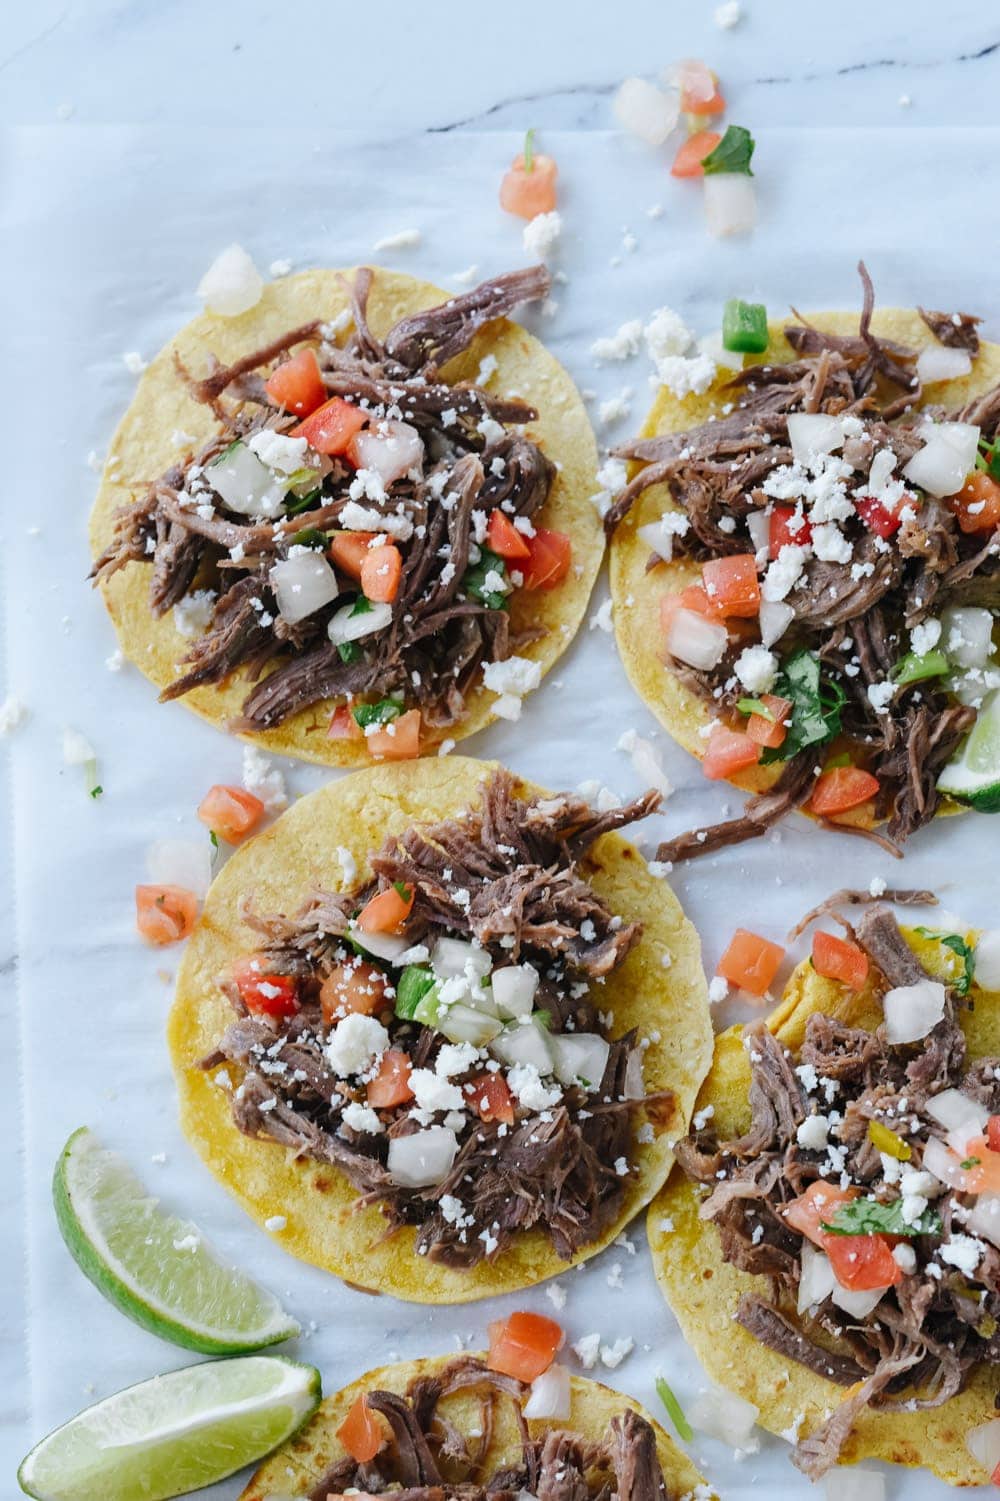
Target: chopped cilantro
[
  {"x": 348, "y": 651},
  {"x": 970, "y": 1162},
  {"x": 95, "y": 792},
  {"x": 474, "y": 582},
  {"x": 914, "y": 667},
  {"x": 816, "y": 706},
  {"x": 362, "y": 606},
  {"x": 988, "y": 458},
  {"x": 732, "y": 154},
  {"x": 310, "y": 536},
  {"x": 403, "y": 891},
  {"x": 869, "y": 1217},
  {"x": 386, "y": 710},
  {"x": 958, "y": 945},
  {"x": 299, "y": 503},
  {"x": 674, "y": 1410}
]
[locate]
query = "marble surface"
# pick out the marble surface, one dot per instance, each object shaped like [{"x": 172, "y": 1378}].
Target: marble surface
[{"x": 168, "y": 71}]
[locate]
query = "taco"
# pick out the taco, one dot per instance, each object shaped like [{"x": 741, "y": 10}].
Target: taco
[
  {"x": 458, "y": 1065},
  {"x": 452, "y": 1429},
  {"x": 829, "y": 1240},
  {"x": 355, "y": 521},
  {"x": 806, "y": 570}
]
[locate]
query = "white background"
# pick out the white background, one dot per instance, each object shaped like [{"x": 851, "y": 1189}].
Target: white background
[{"x": 104, "y": 232}]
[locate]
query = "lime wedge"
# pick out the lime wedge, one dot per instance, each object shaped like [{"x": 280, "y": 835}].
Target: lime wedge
[
  {"x": 174, "y": 1434},
  {"x": 973, "y": 775},
  {"x": 153, "y": 1266}
]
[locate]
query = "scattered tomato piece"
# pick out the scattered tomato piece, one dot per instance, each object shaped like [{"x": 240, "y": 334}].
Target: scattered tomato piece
[
  {"x": 816, "y": 1207},
  {"x": 529, "y": 185},
  {"x": 983, "y": 1174},
  {"x": 727, "y": 752},
  {"x": 692, "y": 152},
  {"x": 361, "y": 1433},
  {"x": 787, "y": 529},
  {"x": 297, "y": 384},
  {"x": 750, "y": 962},
  {"x": 877, "y": 517},
  {"x": 343, "y": 725},
  {"x": 332, "y": 426},
  {"x": 732, "y": 585},
  {"x": 348, "y": 550},
  {"x": 391, "y": 1085},
  {"x": 381, "y": 571},
  {"x": 503, "y": 537},
  {"x": 388, "y": 911},
  {"x": 841, "y": 788},
  {"x": 839, "y": 960},
  {"x": 262, "y": 993},
  {"x": 230, "y": 812},
  {"x": 352, "y": 988},
  {"x": 165, "y": 914},
  {"x": 489, "y": 1095},
  {"x": 977, "y": 504},
  {"x": 397, "y": 741},
  {"x": 549, "y": 558},
  {"x": 862, "y": 1262},
  {"x": 699, "y": 88},
  {"x": 524, "y": 1345},
  {"x": 993, "y": 1133},
  {"x": 770, "y": 732}
]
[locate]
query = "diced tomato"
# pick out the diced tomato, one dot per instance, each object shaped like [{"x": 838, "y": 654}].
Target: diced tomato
[
  {"x": 750, "y": 962},
  {"x": 230, "y": 812},
  {"x": 770, "y": 732},
  {"x": 692, "y": 152},
  {"x": 332, "y": 426},
  {"x": 381, "y": 571},
  {"x": 692, "y": 105},
  {"x": 503, "y": 537},
  {"x": 343, "y": 725},
  {"x": 787, "y": 529},
  {"x": 862, "y": 1262},
  {"x": 388, "y": 911},
  {"x": 524, "y": 1345},
  {"x": 356, "y": 987},
  {"x": 732, "y": 585},
  {"x": 361, "y": 1432},
  {"x": 491, "y": 1098},
  {"x": 550, "y": 554},
  {"x": 877, "y": 517},
  {"x": 993, "y": 1133},
  {"x": 297, "y": 384},
  {"x": 691, "y": 598},
  {"x": 839, "y": 960},
  {"x": 165, "y": 914},
  {"x": 529, "y": 191},
  {"x": 348, "y": 550},
  {"x": 982, "y": 1176},
  {"x": 699, "y": 88},
  {"x": 391, "y": 1085},
  {"x": 816, "y": 1207},
  {"x": 727, "y": 752},
  {"x": 977, "y": 504},
  {"x": 264, "y": 994},
  {"x": 398, "y": 741},
  {"x": 842, "y": 788}
]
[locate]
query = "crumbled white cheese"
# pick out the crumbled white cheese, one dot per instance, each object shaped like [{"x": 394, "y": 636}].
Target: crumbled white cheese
[
  {"x": 620, "y": 346},
  {"x": 358, "y": 518},
  {"x": 925, "y": 636},
  {"x": 757, "y": 668},
  {"x": 601, "y": 618},
  {"x": 264, "y": 779},
  {"x": 12, "y": 713},
  {"x": 616, "y": 408},
  {"x": 515, "y": 675},
  {"x": 192, "y": 615},
  {"x": 275, "y": 1223},
  {"x": 718, "y": 990},
  {"x": 727, "y": 15},
  {"x": 541, "y": 235},
  {"x": 587, "y": 1349},
  {"x": 454, "y": 1057},
  {"x": 525, "y": 1082},
  {"x": 362, "y": 1118},
  {"x": 613, "y": 1355},
  {"x": 784, "y": 572},
  {"x": 279, "y": 268},
  {"x": 432, "y": 1092},
  {"x": 403, "y": 239},
  {"x": 963, "y": 1251},
  {"x": 278, "y": 451},
  {"x": 354, "y": 1044},
  {"x": 880, "y": 696},
  {"x": 133, "y": 362},
  {"x": 556, "y": 1294},
  {"x": 813, "y": 1132}
]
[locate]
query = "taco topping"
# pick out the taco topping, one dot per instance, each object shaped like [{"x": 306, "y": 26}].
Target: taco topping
[
  {"x": 849, "y": 544},
  {"x": 356, "y": 526},
  {"x": 437, "y": 1033},
  {"x": 403, "y": 1447},
  {"x": 867, "y": 1187}
]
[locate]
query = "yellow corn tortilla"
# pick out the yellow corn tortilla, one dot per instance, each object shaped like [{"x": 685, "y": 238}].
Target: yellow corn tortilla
[
  {"x": 301, "y": 1463},
  {"x": 637, "y": 624},
  {"x": 703, "y": 1290},
  {"x": 280, "y": 867},
  {"x": 142, "y": 449}
]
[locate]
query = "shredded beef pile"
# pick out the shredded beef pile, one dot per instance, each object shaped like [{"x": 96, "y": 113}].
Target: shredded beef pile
[
  {"x": 854, "y": 613},
  {"x": 507, "y": 875},
  {"x": 431, "y": 1460},
  {"x": 917, "y": 1348},
  {"x": 441, "y": 635}
]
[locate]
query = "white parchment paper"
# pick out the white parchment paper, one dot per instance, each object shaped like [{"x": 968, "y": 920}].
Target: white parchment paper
[{"x": 104, "y": 233}]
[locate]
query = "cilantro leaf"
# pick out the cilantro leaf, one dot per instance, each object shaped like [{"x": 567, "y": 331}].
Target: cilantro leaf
[
  {"x": 362, "y": 606},
  {"x": 383, "y": 712},
  {"x": 732, "y": 154},
  {"x": 348, "y": 651},
  {"x": 310, "y": 536},
  {"x": 299, "y": 503},
  {"x": 403, "y": 891},
  {"x": 963, "y": 982},
  {"x": 988, "y": 458},
  {"x": 816, "y": 706},
  {"x": 869, "y": 1217},
  {"x": 474, "y": 581}
]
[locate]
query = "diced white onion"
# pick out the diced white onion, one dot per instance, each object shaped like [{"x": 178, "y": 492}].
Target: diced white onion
[
  {"x": 812, "y": 433},
  {"x": 550, "y": 1395},
  {"x": 451, "y": 957},
  {"x": 232, "y": 284},
  {"x": 462, "y": 1023},
  {"x": 941, "y": 466},
  {"x": 960, "y": 1116},
  {"x": 658, "y": 536},
  {"x": 759, "y": 527},
  {"x": 635, "y": 1084},
  {"x": 854, "y": 1483},
  {"x": 693, "y": 639},
  {"x": 942, "y": 1163},
  {"x": 912, "y": 1010},
  {"x": 646, "y": 111},
  {"x": 712, "y": 345},
  {"x": 983, "y": 1443},
  {"x": 775, "y": 618},
  {"x": 858, "y": 1304},
  {"x": 937, "y": 362},
  {"x": 988, "y": 959},
  {"x": 303, "y": 584},
  {"x": 985, "y": 1218},
  {"x": 391, "y": 449},
  {"x": 346, "y": 626},
  {"x": 724, "y": 1415},
  {"x": 514, "y": 989},
  {"x": 423, "y": 1157},
  {"x": 387, "y": 946},
  {"x": 730, "y": 203},
  {"x": 967, "y": 635},
  {"x": 181, "y": 862},
  {"x": 647, "y": 763},
  {"x": 579, "y": 1056},
  {"x": 246, "y": 485},
  {"x": 816, "y": 1280},
  {"x": 526, "y": 1043}
]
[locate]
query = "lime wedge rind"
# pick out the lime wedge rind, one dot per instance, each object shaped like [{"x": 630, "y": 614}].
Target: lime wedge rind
[
  {"x": 972, "y": 776},
  {"x": 174, "y": 1433},
  {"x": 153, "y": 1266}
]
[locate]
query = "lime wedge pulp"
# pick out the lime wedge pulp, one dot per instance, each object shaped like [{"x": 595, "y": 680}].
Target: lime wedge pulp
[
  {"x": 153, "y": 1266},
  {"x": 973, "y": 775},
  {"x": 174, "y": 1434}
]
